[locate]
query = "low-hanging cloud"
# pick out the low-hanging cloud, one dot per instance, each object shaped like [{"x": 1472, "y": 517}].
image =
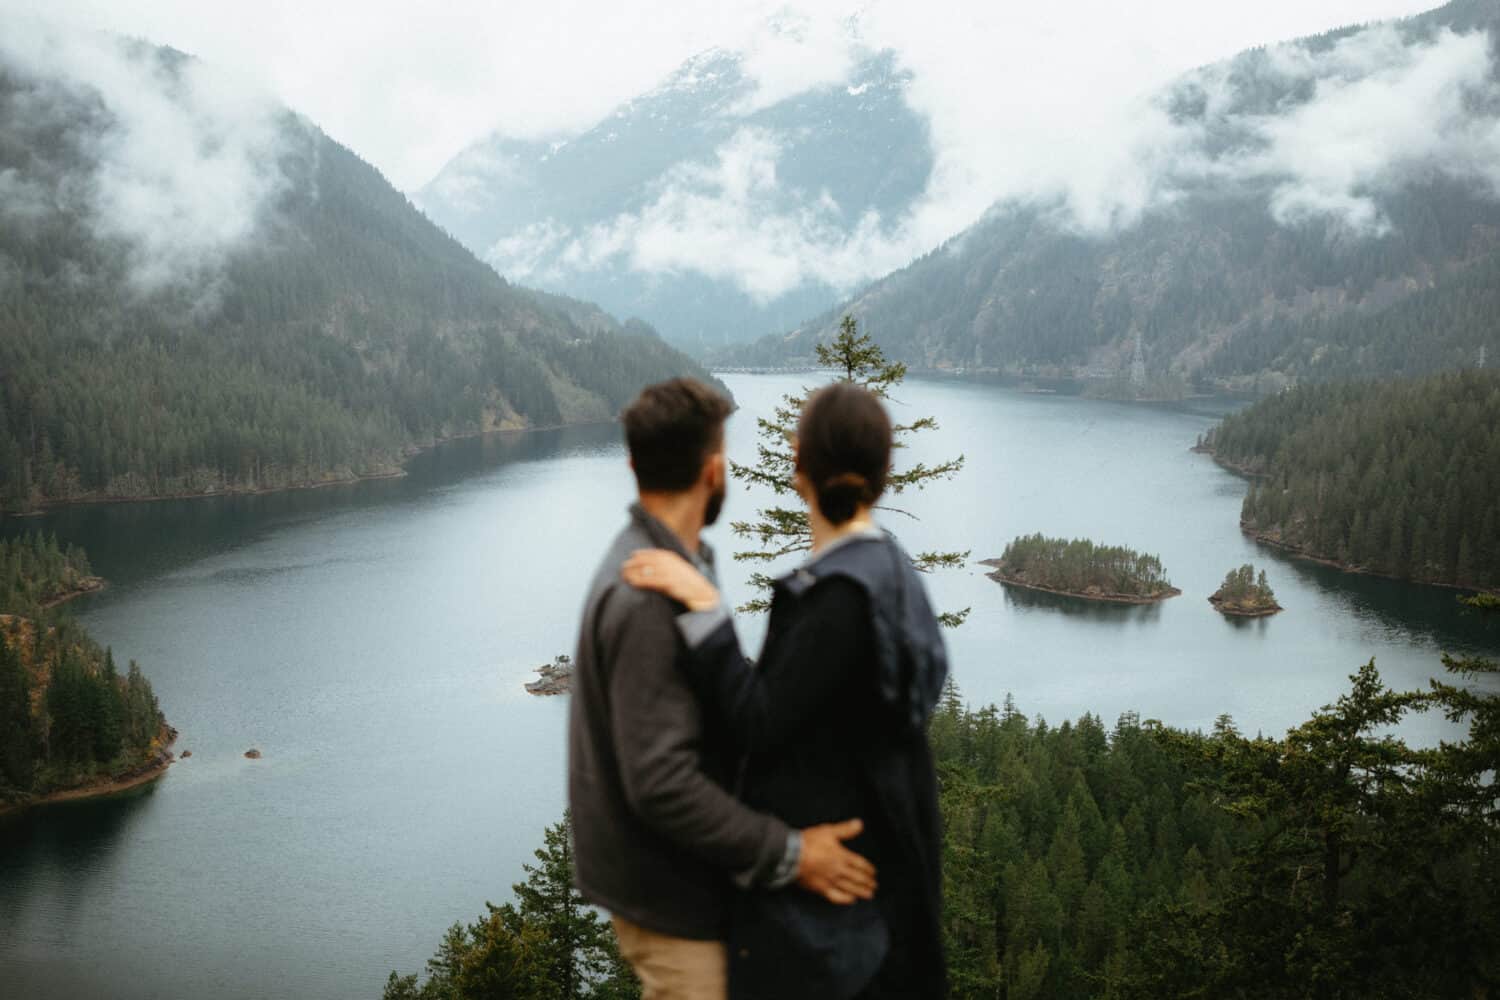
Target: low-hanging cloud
[
  {"x": 731, "y": 219},
  {"x": 1382, "y": 114},
  {"x": 1380, "y": 111},
  {"x": 172, "y": 159}
]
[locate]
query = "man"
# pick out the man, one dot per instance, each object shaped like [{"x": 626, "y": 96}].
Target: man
[{"x": 659, "y": 841}]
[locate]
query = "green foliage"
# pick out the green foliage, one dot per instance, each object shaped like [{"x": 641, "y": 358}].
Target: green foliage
[
  {"x": 1244, "y": 589},
  {"x": 66, "y": 716},
  {"x": 350, "y": 332},
  {"x": 1081, "y": 567},
  {"x": 1149, "y": 862},
  {"x": 548, "y": 945},
  {"x": 781, "y": 531},
  {"x": 35, "y": 570},
  {"x": 1400, "y": 478},
  {"x": 1370, "y": 866}
]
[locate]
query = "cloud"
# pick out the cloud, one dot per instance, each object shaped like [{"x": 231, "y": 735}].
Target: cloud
[
  {"x": 1045, "y": 105},
  {"x": 1382, "y": 114},
  {"x": 1379, "y": 112},
  {"x": 731, "y": 219},
  {"x": 794, "y": 51},
  {"x": 173, "y": 159}
]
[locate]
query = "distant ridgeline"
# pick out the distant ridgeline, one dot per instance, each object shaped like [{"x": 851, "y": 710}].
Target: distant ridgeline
[
  {"x": 1082, "y": 569},
  {"x": 1397, "y": 478},
  {"x": 340, "y": 332},
  {"x": 1221, "y": 284},
  {"x": 68, "y": 718}
]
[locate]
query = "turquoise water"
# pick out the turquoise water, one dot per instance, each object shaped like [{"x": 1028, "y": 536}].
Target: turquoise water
[{"x": 371, "y": 640}]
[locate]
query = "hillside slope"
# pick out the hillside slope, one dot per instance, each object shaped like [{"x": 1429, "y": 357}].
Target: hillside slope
[
  {"x": 1326, "y": 207},
  {"x": 201, "y": 292}
]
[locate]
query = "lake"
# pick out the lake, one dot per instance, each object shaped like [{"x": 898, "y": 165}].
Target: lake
[{"x": 372, "y": 641}]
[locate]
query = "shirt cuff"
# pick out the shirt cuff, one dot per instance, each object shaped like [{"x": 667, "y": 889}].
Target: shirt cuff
[
  {"x": 696, "y": 626},
  {"x": 784, "y": 872}
]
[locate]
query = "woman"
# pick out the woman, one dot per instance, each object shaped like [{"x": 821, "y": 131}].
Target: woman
[{"x": 832, "y": 722}]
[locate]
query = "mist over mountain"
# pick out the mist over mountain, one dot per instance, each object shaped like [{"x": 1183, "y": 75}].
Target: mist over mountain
[
  {"x": 712, "y": 207},
  {"x": 1322, "y": 207},
  {"x": 202, "y": 292}
]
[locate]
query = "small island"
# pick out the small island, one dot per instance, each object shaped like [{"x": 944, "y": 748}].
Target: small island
[
  {"x": 1245, "y": 595},
  {"x": 1080, "y": 568},
  {"x": 555, "y": 677}
]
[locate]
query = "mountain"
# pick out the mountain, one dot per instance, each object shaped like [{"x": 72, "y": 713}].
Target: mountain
[
  {"x": 641, "y": 212},
  {"x": 200, "y": 292},
  {"x": 1318, "y": 208}
]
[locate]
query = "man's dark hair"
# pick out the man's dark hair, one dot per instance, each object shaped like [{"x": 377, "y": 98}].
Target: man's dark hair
[
  {"x": 671, "y": 428},
  {"x": 844, "y": 448}
]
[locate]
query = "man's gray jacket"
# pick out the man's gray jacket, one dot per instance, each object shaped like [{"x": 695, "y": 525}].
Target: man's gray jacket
[{"x": 657, "y": 837}]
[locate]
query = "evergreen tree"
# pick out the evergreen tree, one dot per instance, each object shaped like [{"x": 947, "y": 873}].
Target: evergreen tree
[
  {"x": 548, "y": 945},
  {"x": 17, "y": 739},
  {"x": 780, "y": 531}
]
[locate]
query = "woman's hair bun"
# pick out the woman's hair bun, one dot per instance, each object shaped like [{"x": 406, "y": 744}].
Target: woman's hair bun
[{"x": 844, "y": 449}]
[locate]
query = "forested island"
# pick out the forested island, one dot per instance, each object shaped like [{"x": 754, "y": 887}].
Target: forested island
[
  {"x": 1397, "y": 478},
  {"x": 1137, "y": 861},
  {"x": 1080, "y": 568},
  {"x": 70, "y": 723},
  {"x": 1243, "y": 594}
]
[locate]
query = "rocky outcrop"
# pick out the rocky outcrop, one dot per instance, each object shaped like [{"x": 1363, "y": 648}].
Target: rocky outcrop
[{"x": 555, "y": 677}]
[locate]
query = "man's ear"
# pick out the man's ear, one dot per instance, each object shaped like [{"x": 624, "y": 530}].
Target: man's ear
[{"x": 715, "y": 470}]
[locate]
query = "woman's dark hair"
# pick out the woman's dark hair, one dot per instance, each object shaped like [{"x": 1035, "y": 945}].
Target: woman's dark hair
[
  {"x": 844, "y": 448},
  {"x": 671, "y": 428}
]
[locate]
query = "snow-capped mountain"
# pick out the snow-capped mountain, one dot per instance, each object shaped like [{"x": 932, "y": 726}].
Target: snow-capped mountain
[{"x": 699, "y": 205}]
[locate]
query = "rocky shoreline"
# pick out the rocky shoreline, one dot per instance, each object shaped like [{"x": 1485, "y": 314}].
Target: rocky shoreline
[
  {"x": 87, "y": 585},
  {"x": 1238, "y": 610},
  {"x": 147, "y": 772},
  {"x": 1092, "y": 594}
]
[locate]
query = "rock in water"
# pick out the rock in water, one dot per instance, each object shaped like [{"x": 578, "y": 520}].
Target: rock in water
[
  {"x": 252, "y": 754},
  {"x": 555, "y": 677}
]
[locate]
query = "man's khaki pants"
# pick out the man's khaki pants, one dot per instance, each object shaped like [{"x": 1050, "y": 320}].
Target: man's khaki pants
[{"x": 673, "y": 968}]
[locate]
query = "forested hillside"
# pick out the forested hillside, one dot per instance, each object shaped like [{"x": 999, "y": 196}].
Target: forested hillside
[
  {"x": 328, "y": 332},
  {"x": 68, "y": 717},
  {"x": 1247, "y": 262},
  {"x": 1400, "y": 478}
]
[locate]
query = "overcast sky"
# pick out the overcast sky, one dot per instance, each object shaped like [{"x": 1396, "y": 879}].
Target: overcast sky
[{"x": 407, "y": 86}]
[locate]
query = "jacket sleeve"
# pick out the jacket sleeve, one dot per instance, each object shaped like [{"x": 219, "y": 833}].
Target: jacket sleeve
[
  {"x": 658, "y": 733},
  {"x": 817, "y": 656}
]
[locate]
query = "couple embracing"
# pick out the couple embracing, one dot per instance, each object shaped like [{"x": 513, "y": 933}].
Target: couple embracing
[{"x": 765, "y": 830}]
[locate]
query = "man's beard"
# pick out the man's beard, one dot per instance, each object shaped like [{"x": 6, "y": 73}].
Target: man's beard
[{"x": 715, "y": 506}]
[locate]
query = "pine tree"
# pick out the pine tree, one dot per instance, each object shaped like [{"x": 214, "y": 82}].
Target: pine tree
[
  {"x": 17, "y": 749},
  {"x": 580, "y": 949},
  {"x": 781, "y": 531}
]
